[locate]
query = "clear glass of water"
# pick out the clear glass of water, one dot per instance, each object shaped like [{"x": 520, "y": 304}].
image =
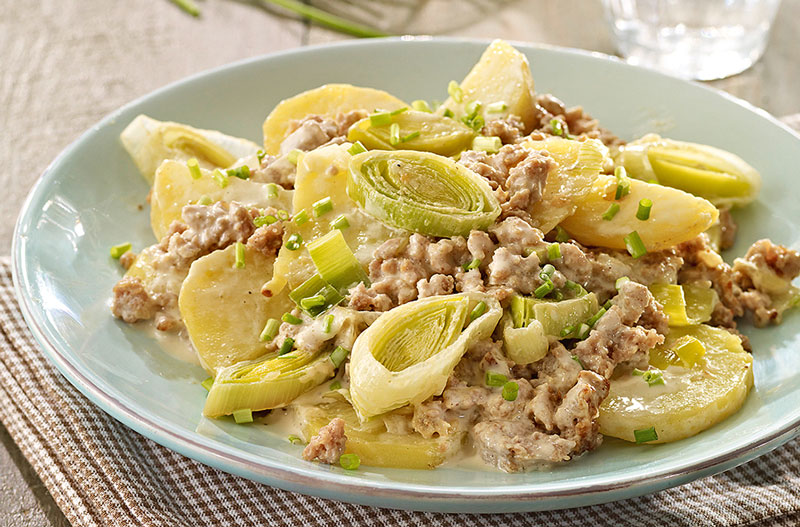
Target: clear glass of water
[{"x": 696, "y": 39}]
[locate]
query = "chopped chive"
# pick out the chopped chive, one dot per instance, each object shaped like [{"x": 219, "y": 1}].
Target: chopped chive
[
  {"x": 478, "y": 310},
  {"x": 301, "y": 217},
  {"x": 609, "y": 214},
  {"x": 594, "y": 318},
  {"x": 118, "y": 250},
  {"x": 208, "y": 383},
  {"x": 644, "y": 209},
  {"x": 295, "y": 440},
  {"x": 260, "y": 155},
  {"x": 245, "y": 415},
  {"x": 394, "y": 134},
  {"x": 350, "y": 461},
  {"x": 220, "y": 178},
  {"x": 421, "y": 106},
  {"x": 188, "y": 6},
  {"x": 583, "y": 331},
  {"x": 194, "y": 168},
  {"x": 454, "y": 90},
  {"x": 293, "y": 156},
  {"x": 474, "y": 264},
  {"x": 623, "y": 182},
  {"x": 473, "y": 108},
  {"x": 448, "y": 113},
  {"x": 242, "y": 172},
  {"x": 496, "y": 107},
  {"x": 561, "y": 234},
  {"x": 510, "y": 391},
  {"x": 579, "y": 361},
  {"x": 495, "y": 379},
  {"x": 338, "y": 355},
  {"x": 270, "y": 330},
  {"x": 340, "y": 222},
  {"x": 637, "y": 371},
  {"x": 327, "y": 326},
  {"x": 548, "y": 271},
  {"x": 204, "y": 200},
  {"x": 566, "y": 331},
  {"x": 312, "y": 301},
  {"x": 475, "y": 122},
  {"x": 335, "y": 385},
  {"x": 283, "y": 215},
  {"x": 553, "y": 251},
  {"x": 409, "y": 137},
  {"x": 267, "y": 219},
  {"x": 490, "y": 145},
  {"x": 645, "y": 435},
  {"x": 559, "y": 128},
  {"x": 651, "y": 377},
  {"x": 621, "y": 280},
  {"x": 356, "y": 148},
  {"x": 239, "y": 257},
  {"x": 294, "y": 242},
  {"x": 399, "y": 111},
  {"x": 325, "y": 18},
  {"x": 272, "y": 190},
  {"x": 608, "y": 304},
  {"x": 286, "y": 347},
  {"x": 291, "y": 319},
  {"x": 323, "y": 206},
  {"x": 635, "y": 245},
  {"x": 575, "y": 287},
  {"x": 380, "y": 119},
  {"x": 544, "y": 289}
]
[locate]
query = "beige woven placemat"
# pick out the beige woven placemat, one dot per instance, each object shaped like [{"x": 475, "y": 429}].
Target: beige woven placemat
[{"x": 102, "y": 473}]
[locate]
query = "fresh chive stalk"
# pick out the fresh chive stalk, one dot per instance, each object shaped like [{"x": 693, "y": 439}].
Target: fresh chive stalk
[
  {"x": 338, "y": 355},
  {"x": 623, "y": 183},
  {"x": 286, "y": 347},
  {"x": 399, "y": 111},
  {"x": 645, "y": 435},
  {"x": 454, "y": 90},
  {"x": 272, "y": 190},
  {"x": 478, "y": 310},
  {"x": 245, "y": 415},
  {"x": 340, "y": 222},
  {"x": 394, "y": 134},
  {"x": 188, "y": 6},
  {"x": 270, "y": 330},
  {"x": 267, "y": 219},
  {"x": 239, "y": 256},
  {"x": 291, "y": 319},
  {"x": 474, "y": 264},
  {"x": 408, "y": 137},
  {"x": 496, "y": 107},
  {"x": 380, "y": 118},
  {"x": 260, "y": 155},
  {"x": 350, "y": 461},
  {"x": 490, "y": 145},
  {"x": 323, "y": 18},
  {"x": 323, "y": 206},
  {"x": 635, "y": 245},
  {"x": 221, "y": 178},
  {"x": 301, "y": 217},
  {"x": 294, "y": 242},
  {"x": 561, "y": 234},
  {"x": 312, "y": 302},
  {"x": 356, "y": 148},
  {"x": 495, "y": 379},
  {"x": 118, "y": 250},
  {"x": 553, "y": 251},
  {"x": 609, "y": 214},
  {"x": 643, "y": 213},
  {"x": 194, "y": 168},
  {"x": 510, "y": 391},
  {"x": 283, "y": 215},
  {"x": 328, "y": 324}
]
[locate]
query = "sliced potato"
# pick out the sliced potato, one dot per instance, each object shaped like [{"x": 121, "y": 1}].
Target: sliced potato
[
  {"x": 578, "y": 164},
  {"x": 149, "y": 142},
  {"x": 328, "y": 100},
  {"x": 675, "y": 216},
  {"x": 502, "y": 75},
  {"x": 691, "y": 399},
  {"x": 373, "y": 444},
  {"x": 174, "y": 188},
  {"x": 224, "y": 310}
]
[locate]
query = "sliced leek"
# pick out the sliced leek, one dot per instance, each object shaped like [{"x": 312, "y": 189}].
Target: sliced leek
[
  {"x": 553, "y": 317},
  {"x": 423, "y": 131},
  {"x": 267, "y": 383},
  {"x": 687, "y": 304},
  {"x": 524, "y": 345},
  {"x": 408, "y": 353},
  {"x": 335, "y": 262},
  {"x": 421, "y": 192},
  {"x": 315, "y": 287}
]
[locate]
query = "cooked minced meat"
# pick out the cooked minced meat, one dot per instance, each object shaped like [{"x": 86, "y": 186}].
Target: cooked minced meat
[
  {"x": 510, "y": 130},
  {"x": 728, "y": 229},
  {"x": 328, "y": 445},
  {"x": 577, "y": 122}
]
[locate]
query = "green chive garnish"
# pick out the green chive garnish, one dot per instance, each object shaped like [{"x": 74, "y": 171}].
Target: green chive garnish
[
  {"x": 421, "y": 106},
  {"x": 283, "y": 215},
  {"x": 454, "y": 90},
  {"x": 312, "y": 301},
  {"x": 623, "y": 183},
  {"x": 220, "y": 178},
  {"x": 474, "y": 264},
  {"x": 267, "y": 219},
  {"x": 338, "y": 355},
  {"x": 621, "y": 280},
  {"x": 194, "y": 168},
  {"x": 204, "y": 200},
  {"x": 559, "y": 128},
  {"x": 495, "y": 379},
  {"x": 594, "y": 318},
  {"x": 208, "y": 383},
  {"x": 350, "y": 461},
  {"x": 544, "y": 289},
  {"x": 245, "y": 415},
  {"x": 510, "y": 391},
  {"x": 553, "y": 251},
  {"x": 188, "y": 6},
  {"x": 326, "y": 19},
  {"x": 270, "y": 330},
  {"x": 239, "y": 258},
  {"x": 242, "y": 172},
  {"x": 579, "y": 361},
  {"x": 547, "y": 271},
  {"x": 583, "y": 331},
  {"x": 328, "y": 324},
  {"x": 340, "y": 222},
  {"x": 294, "y": 242},
  {"x": 399, "y": 111},
  {"x": 567, "y": 331},
  {"x": 356, "y": 148},
  {"x": 561, "y": 234},
  {"x": 449, "y": 113},
  {"x": 645, "y": 435},
  {"x": 286, "y": 347},
  {"x": 490, "y": 145},
  {"x": 272, "y": 190},
  {"x": 323, "y": 206},
  {"x": 644, "y": 209},
  {"x": 473, "y": 108},
  {"x": 478, "y": 310},
  {"x": 295, "y": 440},
  {"x": 291, "y": 319},
  {"x": 261, "y": 155},
  {"x": 380, "y": 119},
  {"x": 409, "y": 137},
  {"x": 335, "y": 385},
  {"x": 496, "y": 107},
  {"x": 118, "y": 250},
  {"x": 301, "y": 217},
  {"x": 609, "y": 214},
  {"x": 635, "y": 245},
  {"x": 394, "y": 134},
  {"x": 651, "y": 377}
]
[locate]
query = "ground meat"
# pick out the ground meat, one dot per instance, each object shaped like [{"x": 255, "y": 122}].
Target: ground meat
[
  {"x": 267, "y": 239},
  {"x": 311, "y": 336},
  {"x": 516, "y": 174},
  {"x": 728, "y": 229},
  {"x": 701, "y": 264},
  {"x": 576, "y": 121},
  {"x": 438, "y": 284},
  {"x": 515, "y": 446},
  {"x": 515, "y": 271},
  {"x": 510, "y": 130},
  {"x": 275, "y": 169},
  {"x": 314, "y": 130},
  {"x": 328, "y": 445},
  {"x": 127, "y": 259},
  {"x": 430, "y": 419},
  {"x": 131, "y": 302},
  {"x": 626, "y": 333},
  {"x": 576, "y": 418}
]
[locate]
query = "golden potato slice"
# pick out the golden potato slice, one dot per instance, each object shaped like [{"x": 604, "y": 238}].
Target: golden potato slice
[
  {"x": 691, "y": 399},
  {"x": 373, "y": 444},
  {"x": 224, "y": 310},
  {"x": 327, "y": 100},
  {"x": 149, "y": 142},
  {"x": 502, "y": 75},
  {"x": 675, "y": 216},
  {"x": 174, "y": 188}
]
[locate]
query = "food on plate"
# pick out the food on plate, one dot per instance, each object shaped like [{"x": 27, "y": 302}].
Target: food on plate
[{"x": 407, "y": 285}]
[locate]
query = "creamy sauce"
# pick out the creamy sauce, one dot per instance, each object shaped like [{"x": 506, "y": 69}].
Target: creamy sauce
[{"x": 176, "y": 344}]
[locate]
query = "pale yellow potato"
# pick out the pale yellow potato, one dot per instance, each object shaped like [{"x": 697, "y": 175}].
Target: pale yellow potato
[
  {"x": 328, "y": 100},
  {"x": 174, "y": 188},
  {"x": 691, "y": 400},
  {"x": 501, "y": 75},
  {"x": 578, "y": 164},
  {"x": 374, "y": 445},
  {"x": 224, "y": 310},
  {"x": 676, "y": 216},
  {"x": 149, "y": 142}
]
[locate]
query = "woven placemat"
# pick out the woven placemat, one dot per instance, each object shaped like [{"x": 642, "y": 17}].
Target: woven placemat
[{"x": 102, "y": 473}]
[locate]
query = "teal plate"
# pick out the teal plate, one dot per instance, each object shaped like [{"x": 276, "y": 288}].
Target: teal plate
[{"x": 89, "y": 200}]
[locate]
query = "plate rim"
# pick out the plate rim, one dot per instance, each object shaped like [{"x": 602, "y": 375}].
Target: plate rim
[{"x": 367, "y": 491}]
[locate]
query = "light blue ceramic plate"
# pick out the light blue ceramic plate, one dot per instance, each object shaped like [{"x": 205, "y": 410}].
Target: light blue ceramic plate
[{"x": 88, "y": 201}]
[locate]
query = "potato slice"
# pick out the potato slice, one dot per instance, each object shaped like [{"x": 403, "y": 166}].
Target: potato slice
[
  {"x": 327, "y": 100},
  {"x": 174, "y": 188},
  {"x": 373, "y": 444},
  {"x": 691, "y": 399},
  {"x": 675, "y": 216},
  {"x": 224, "y": 310},
  {"x": 502, "y": 75},
  {"x": 149, "y": 142}
]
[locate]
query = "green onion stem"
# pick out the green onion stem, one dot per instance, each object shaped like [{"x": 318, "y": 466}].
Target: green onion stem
[
  {"x": 495, "y": 379},
  {"x": 644, "y": 209},
  {"x": 356, "y": 148},
  {"x": 301, "y": 217},
  {"x": 478, "y": 310},
  {"x": 245, "y": 415},
  {"x": 118, "y": 250},
  {"x": 350, "y": 461},
  {"x": 510, "y": 391},
  {"x": 645, "y": 435},
  {"x": 328, "y": 324},
  {"x": 270, "y": 330},
  {"x": 194, "y": 168},
  {"x": 291, "y": 319},
  {"x": 272, "y": 190},
  {"x": 338, "y": 355},
  {"x": 323, "y": 206},
  {"x": 239, "y": 258},
  {"x": 635, "y": 245},
  {"x": 294, "y": 242},
  {"x": 323, "y": 18},
  {"x": 340, "y": 222},
  {"x": 187, "y": 6},
  {"x": 609, "y": 214},
  {"x": 553, "y": 251},
  {"x": 287, "y": 346}
]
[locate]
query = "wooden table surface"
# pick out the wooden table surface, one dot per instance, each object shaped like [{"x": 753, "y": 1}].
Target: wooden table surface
[{"x": 64, "y": 64}]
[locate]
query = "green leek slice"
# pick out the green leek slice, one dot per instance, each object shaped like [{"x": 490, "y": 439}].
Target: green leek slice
[
  {"x": 270, "y": 382},
  {"x": 721, "y": 177},
  {"x": 335, "y": 262},
  {"x": 316, "y": 286},
  {"x": 687, "y": 304},
  {"x": 422, "y": 192},
  {"x": 524, "y": 345},
  {"x": 408, "y": 353},
  {"x": 425, "y": 132},
  {"x": 555, "y": 317}
]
